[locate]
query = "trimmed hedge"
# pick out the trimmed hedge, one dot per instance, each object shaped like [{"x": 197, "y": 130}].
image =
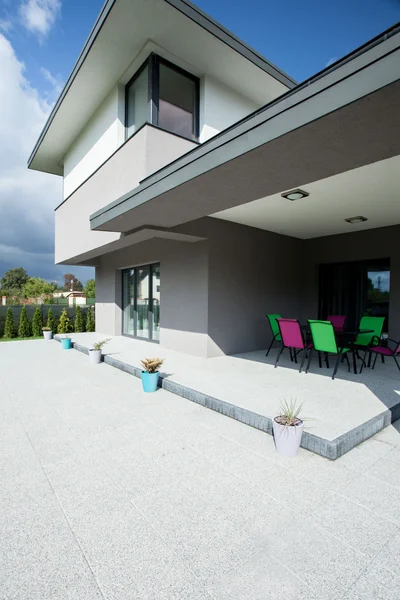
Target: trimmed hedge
[{"x": 38, "y": 315}]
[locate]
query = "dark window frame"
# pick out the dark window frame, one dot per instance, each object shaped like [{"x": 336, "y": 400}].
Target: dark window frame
[
  {"x": 153, "y": 63},
  {"x": 150, "y": 316}
]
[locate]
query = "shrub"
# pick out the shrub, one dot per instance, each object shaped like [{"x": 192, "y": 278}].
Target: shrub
[
  {"x": 79, "y": 327},
  {"x": 90, "y": 324},
  {"x": 64, "y": 325},
  {"x": 9, "y": 327},
  {"x": 151, "y": 365},
  {"x": 24, "y": 329},
  {"x": 37, "y": 323},
  {"x": 98, "y": 345},
  {"x": 51, "y": 323}
]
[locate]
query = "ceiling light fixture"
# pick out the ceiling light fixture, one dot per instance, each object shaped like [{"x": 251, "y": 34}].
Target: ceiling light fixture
[
  {"x": 295, "y": 195},
  {"x": 355, "y": 220}
]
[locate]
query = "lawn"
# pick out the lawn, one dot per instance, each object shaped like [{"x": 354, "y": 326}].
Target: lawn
[{"x": 17, "y": 339}]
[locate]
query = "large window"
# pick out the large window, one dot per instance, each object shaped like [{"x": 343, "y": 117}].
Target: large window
[
  {"x": 137, "y": 101},
  {"x": 141, "y": 302},
  {"x": 355, "y": 289},
  {"x": 165, "y": 96}
]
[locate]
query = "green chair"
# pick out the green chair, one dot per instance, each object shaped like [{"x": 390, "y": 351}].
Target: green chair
[
  {"x": 276, "y": 336},
  {"x": 368, "y": 340},
  {"x": 324, "y": 340},
  {"x": 375, "y": 325}
]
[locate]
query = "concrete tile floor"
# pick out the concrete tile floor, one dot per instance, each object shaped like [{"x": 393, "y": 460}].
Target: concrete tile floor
[
  {"x": 108, "y": 493},
  {"x": 250, "y": 382}
]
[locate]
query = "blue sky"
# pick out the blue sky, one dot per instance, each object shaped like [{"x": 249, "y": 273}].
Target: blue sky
[
  {"x": 299, "y": 37},
  {"x": 40, "y": 41}
]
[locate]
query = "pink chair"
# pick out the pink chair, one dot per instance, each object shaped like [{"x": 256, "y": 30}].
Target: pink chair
[
  {"x": 292, "y": 338},
  {"x": 337, "y": 321},
  {"x": 383, "y": 351}
]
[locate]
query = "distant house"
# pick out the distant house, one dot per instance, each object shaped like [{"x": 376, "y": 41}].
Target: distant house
[{"x": 75, "y": 298}]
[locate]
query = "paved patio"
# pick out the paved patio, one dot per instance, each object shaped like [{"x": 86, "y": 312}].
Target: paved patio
[
  {"x": 340, "y": 414},
  {"x": 107, "y": 493}
]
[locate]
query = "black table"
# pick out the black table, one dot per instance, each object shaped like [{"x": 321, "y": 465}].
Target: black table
[{"x": 346, "y": 339}]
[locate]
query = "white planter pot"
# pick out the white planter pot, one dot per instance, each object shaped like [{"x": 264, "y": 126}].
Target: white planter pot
[
  {"x": 48, "y": 335},
  {"x": 287, "y": 439},
  {"x": 95, "y": 356}
]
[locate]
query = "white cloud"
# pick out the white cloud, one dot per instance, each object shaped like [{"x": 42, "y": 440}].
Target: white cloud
[
  {"x": 331, "y": 61},
  {"x": 38, "y": 16},
  {"x": 27, "y": 198},
  {"x": 5, "y": 25},
  {"x": 56, "y": 83}
]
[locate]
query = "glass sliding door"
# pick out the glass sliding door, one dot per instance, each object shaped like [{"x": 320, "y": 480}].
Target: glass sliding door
[
  {"x": 141, "y": 302},
  {"x": 128, "y": 291},
  {"x": 155, "y": 312}
]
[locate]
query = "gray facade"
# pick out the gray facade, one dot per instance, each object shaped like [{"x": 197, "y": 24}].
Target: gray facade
[
  {"x": 364, "y": 245},
  {"x": 215, "y": 293}
]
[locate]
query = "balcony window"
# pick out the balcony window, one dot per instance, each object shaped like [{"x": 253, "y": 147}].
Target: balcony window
[
  {"x": 177, "y": 102},
  {"x": 164, "y": 96},
  {"x": 137, "y": 100}
]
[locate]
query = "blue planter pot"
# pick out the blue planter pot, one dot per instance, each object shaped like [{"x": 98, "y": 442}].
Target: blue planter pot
[
  {"x": 149, "y": 381},
  {"x": 66, "y": 344}
]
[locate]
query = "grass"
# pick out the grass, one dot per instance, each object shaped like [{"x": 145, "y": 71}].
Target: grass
[{"x": 17, "y": 339}]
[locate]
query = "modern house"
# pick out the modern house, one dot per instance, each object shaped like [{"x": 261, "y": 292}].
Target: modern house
[{"x": 208, "y": 188}]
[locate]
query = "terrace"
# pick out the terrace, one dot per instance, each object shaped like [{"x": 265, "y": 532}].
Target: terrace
[
  {"x": 339, "y": 414},
  {"x": 109, "y": 493}
]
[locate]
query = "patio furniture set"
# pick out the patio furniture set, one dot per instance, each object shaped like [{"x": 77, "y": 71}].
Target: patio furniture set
[{"x": 331, "y": 337}]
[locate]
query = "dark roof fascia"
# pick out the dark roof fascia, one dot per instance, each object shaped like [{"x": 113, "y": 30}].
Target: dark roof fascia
[
  {"x": 219, "y": 31},
  {"x": 196, "y": 15},
  {"x": 105, "y": 11},
  {"x": 236, "y": 130}
]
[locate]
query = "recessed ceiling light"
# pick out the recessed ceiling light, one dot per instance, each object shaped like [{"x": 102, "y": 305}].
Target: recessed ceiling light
[
  {"x": 354, "y": 220},
  {"x": 295, "y": 194}
]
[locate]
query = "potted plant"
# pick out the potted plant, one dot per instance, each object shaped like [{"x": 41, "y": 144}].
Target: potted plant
[
  {"x": 47, "y": 333},
  {"x": 288, "y": 429},
  {"x": 66, "y": 343},
  {"x": 95, "y": 352},
  {"x": 150, "y": 373}
]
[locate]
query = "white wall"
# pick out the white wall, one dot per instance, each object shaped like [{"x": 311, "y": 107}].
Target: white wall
[
  {"x": 101, "y": 137},
  {"x": 143, "y": 153},
  {"x": 220, "y": 107}
]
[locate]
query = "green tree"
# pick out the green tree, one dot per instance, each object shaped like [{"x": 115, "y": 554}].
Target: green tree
[
  {"x": 64, "y": 325},
  {"x": 14, "y": 279},
  {"x": 37, "y": 322},
  {"x": 24, "y": 329},
  {"x": 90, "y": 324},
  {"x": 51, "y": 323},
  {"x": 90, "y": 288},
  {"x": 9, "y": 327},
  {"x": 79, "y": 327},
  {"x": 36, "y": 287}
]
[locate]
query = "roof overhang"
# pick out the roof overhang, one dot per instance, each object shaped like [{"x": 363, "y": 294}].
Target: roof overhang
[
  {"x": 341, "y": 120},
  {"x": 121, "y": 32}
]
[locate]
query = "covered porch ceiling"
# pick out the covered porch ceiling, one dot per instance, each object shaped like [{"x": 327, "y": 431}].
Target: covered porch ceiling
[
  {"x": 371, "y": 191},
  {"x": 337, "y": 137}
]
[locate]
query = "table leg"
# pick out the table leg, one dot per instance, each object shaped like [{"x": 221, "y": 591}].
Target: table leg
[{"x": 354, "y": 363}]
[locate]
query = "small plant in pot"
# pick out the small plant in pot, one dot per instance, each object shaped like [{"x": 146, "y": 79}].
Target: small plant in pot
[
  {"x": 150, "y": 373},
  {"x": 66, "y": 342},
  {"x": 288, "y": 429},
  {"x": 47, "y": 333},
  {"x": 95, "y": 352}
]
